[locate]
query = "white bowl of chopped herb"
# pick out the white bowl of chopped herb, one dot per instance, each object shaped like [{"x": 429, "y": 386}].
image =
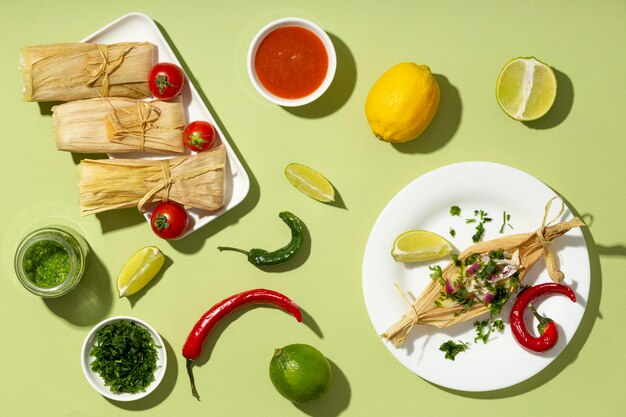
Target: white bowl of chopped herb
[{"x": 123, "y": 358}]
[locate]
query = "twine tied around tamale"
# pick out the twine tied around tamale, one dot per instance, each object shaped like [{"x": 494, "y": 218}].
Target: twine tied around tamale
[
  {"x": 412, "y": 315},
  {"x": 107, "y": 67},
  {"x": 168, "y": 180},
  {"x": 144, "y": 124},
  {"x": 555, "y": 274}
]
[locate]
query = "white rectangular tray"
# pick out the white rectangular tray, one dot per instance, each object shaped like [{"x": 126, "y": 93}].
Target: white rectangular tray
[{"x": 137, "y": 27}]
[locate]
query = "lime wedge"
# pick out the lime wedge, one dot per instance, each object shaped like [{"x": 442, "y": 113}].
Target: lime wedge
[
  {"x": 526, "y": 88},
  {"x": 310, "y": 182},
  {"x": 419, "y": 245},
  {"x": 139, "y": 270}
]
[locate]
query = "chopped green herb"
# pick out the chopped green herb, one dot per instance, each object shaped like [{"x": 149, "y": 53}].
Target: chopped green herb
[
  {"x": 452, "y": 232},
  {"x": 468, "y": 221},
  {"x": 486, "y": 327},
  {"x": 126, "y": 357},
  {"x": 498, "y": 325},
  {"x": 437, "y": 274},
  {"x": 455, "y": 211},
  {"x": 500, "y": 298},
  {"x": 480, "y": 331},
  {"x": 480, "y": 232},
  {"x": 452, "y": 349},
  {"x": 505, "y": 221}
]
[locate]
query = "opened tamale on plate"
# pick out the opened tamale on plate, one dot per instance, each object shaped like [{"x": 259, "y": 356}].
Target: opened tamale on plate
[
  {"x": 466, "y": 288},
  {"x": 115, "y": 124},
  {"x": 192, "y": 180},
  {"x": 74, "y": 71}
]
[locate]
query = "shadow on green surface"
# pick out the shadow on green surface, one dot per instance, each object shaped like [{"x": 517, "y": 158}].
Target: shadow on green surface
[
  {"x": 339, "y": 202},
  {"x": 45, "y": 107},
  {"x": 161, "y": 392},
  {"x": 194, "y": 242},
  {"x": 334, "y": 401},
  {"x": 339, "y": 90},
  {"x": 443, "y": 126},
  {"x": 119, "y": 219},
  {"x": 570, "y": 353},
  {"x": 563, "y": 103},
  {"x": 91, "y": 300}
]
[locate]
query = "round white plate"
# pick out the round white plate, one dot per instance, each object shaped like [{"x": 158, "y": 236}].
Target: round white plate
[
  {"x": 425, "y": 204},
  {"x": 94, "y": 378}
]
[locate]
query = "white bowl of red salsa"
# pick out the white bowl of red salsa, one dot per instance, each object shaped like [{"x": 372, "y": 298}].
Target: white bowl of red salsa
[{"x": 291, "y": 61}]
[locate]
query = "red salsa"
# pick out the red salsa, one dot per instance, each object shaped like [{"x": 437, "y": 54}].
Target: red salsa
[{"x": 291, "y": 62}]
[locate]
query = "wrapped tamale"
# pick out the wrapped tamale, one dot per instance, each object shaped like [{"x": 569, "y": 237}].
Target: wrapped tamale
[
  {"x": 481, "y": 279},
  {"x": 117, "y": 124},
  {"x": 74, "y": 71},
  {"x": 192, "y": 180}
]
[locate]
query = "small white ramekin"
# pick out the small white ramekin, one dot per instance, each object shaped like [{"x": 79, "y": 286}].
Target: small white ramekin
[
  {"x": 330, "y": 52},
  {"x": 96, "y": 381}
]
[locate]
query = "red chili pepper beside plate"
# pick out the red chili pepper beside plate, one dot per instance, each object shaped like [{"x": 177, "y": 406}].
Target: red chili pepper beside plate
[{"x": 200, "y": 332}]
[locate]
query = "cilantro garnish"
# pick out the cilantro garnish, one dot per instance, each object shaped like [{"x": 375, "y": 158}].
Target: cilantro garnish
[
  {"x": 505, "y": 221},
  {"x": 485, "y": 328},
  {"x": 126, "y": 357},
  {"x": 437, "y": 274},
  {"x": 452, "y": 349},
  {"x": 452, "y": 232},
  {"x": 455, "y": 211}
]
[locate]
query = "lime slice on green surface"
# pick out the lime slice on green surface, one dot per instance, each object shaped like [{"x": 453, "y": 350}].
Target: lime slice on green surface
[
  {"x": 139, "y": 270},
  {"x": 526, "y": 88},
  {"x": 310, "y": 182},
  {"x": 419, "y": 245}
]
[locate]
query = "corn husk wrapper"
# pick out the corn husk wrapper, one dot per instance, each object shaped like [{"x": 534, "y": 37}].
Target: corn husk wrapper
[
  {"x": 531, "y": 247},
  {"x": 115, "y": 124},
  {"x": 74, "y": 71},
  {"x": 193, "y": 181}
]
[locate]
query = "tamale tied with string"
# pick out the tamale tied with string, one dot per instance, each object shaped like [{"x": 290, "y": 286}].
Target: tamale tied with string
[
  {"x": 116, "y": 124},
  {"x": 481, "y": 279},
  {"x": 192, "y": 180},
  {"x": 74, "y": 71}
]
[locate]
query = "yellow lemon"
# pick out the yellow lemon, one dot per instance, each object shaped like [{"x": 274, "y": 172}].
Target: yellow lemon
[{"x": 402, "y": 102}]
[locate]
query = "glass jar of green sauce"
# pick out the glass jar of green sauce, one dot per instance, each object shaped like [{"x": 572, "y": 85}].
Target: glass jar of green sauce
[{"x": 51, "y": 261}]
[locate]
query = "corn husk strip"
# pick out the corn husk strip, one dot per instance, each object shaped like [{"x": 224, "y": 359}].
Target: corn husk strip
[
  {"x": 193, "y": 181},
  {"x": 530, "y": 246},
  {"x": 74, "y": 71},
  {"x": 115, "y": 124}
]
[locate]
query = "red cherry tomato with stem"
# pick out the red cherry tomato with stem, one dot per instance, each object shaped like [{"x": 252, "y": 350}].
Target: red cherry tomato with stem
[
  {"x": 169, "y": 220},
  {"x": 166, "y": 80},
  {"x": 199, "y": 136}
]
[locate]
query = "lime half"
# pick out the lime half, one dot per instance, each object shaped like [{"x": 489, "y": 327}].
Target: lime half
[
  {"x": 419, "y": 245},
  {"x": 526, "y": 88},
  {"x": 139, "y": 270},
  {"x": 310, "y": 182}
]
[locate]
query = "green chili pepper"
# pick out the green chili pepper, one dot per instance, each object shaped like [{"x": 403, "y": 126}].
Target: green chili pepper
[{"x": 261, "y": 257}]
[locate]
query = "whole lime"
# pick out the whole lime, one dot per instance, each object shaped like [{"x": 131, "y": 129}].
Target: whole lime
[{"x": 300, "y": 373}]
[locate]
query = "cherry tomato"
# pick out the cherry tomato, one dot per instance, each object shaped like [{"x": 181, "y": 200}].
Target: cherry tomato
[
  {"x": 199, "y": 136},
  {"x": 166, "y": 80},
  {"x": 169, "y": 220}
]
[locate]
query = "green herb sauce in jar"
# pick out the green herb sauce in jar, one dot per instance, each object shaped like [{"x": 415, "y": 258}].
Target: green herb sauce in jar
[
  {"x": 47, "y": 263},
  {"x": 50, "y": 261}
]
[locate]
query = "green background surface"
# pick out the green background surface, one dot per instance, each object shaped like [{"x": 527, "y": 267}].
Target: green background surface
[{"x": 578, "y": 149}]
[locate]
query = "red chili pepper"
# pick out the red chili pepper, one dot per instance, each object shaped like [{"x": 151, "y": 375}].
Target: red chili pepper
[
  {"x": 548, "y": 331},
  {"x": 200, "y": 332}
]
